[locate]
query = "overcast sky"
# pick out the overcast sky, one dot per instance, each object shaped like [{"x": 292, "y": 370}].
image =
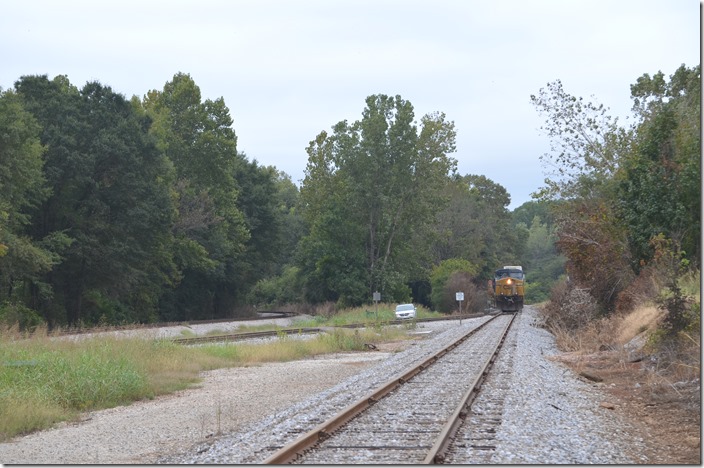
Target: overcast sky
[{"x": 290, "y": 69}]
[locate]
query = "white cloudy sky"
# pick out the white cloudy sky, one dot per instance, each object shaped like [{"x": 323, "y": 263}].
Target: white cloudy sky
[{"x": 288, "y": 69}]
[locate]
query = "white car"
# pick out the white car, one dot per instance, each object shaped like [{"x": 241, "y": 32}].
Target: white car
[{"x": 405, "y": 311}]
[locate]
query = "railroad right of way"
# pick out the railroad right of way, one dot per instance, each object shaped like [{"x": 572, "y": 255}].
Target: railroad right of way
[{"x": 548, "y": 415}]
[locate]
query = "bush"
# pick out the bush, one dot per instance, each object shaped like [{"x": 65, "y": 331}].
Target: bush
[
  {"x": 475, "y": 298},
  {"x": 570, "y": 308},
  {"x": 26, "y": 319},
  {"x": 278, "y": 290},
  {"x": 443, "y": 282}
]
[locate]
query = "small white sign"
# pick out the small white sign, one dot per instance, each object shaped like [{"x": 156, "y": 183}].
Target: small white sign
[
  {"x": 459, "y": 296},
  {"x": 377, "y": 296}
]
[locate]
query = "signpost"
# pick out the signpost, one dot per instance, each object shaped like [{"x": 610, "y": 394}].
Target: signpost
[
  {"x": 459, "y": 296},
  {"x": 376, "y": 297}
]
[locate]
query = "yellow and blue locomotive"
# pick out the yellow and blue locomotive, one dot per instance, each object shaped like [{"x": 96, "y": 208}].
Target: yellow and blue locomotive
[{"x": 508, "y": 288}]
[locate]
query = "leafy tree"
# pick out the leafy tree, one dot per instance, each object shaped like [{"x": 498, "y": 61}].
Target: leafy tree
[
  {"x": 369, "y": 193},
  {"x": 542, "y": 263},
  {"x": 260, "y": 201},
  {"x": 659, "y": 189},
  {"x": 292, "y": 225},
  {"x": 527, "y": 212},
  {"x": 107, "y": 195},
  {"x": 23, "y": 260},
  {"x": 283, "y": 284},
  {"x": 477, "y": 226},
  {"x": 279, "y": 290},
  {"x": 587, "y": 145},
  {"x": 588, "y": 149},
  {"x": 210, "y": 228}
]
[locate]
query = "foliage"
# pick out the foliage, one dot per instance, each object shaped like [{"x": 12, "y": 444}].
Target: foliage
[
  {"x": 541, "y": 261},
  {"x": 659, "y": 190},
  {"x": 628, "y": 218},
  {"x": 586, "y": 143},
  {"x": 370, "y": 190},
  {"x": 277, "y": 290},
  {"x": 197, "y": 138},
  {"x": 596, "y": 249},
  {"x": 291, "y": 225},
  {"x": 477, "y": 226},
  {"x": 526, "y": 213},
  {"x": 23, "y": 260},
  {"x": 109, "y": 207},
  {"x": 14, "y": 314},
  {"x": 449, "y": 277},
  {"x": 670, "y": 263}
]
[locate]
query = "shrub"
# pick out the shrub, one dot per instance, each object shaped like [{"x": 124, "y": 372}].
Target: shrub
[
  {"x": 475, "y": 298},
  {"x": 440, "y": 280},
  {"x": 570, "y": 308},
  {"x": 17, "y": 314}
]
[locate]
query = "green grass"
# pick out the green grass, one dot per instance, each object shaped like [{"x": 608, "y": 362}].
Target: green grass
[
  {"x": 370, "y": 315},
  {"x": 45, "y": 380}
]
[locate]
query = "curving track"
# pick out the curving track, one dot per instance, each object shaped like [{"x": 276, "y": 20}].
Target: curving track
[{"x": 411, "y": 418}]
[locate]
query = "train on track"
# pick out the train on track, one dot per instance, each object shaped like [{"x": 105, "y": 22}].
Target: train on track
[{"x": 508, "y": 288}]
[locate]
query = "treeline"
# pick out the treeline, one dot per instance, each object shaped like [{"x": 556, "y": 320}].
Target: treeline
[
  {"x": 627, "y": 199},
  {"x": 118, "y": 211}
]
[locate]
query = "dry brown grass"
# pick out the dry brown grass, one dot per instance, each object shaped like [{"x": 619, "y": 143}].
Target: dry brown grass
[
  {"x": 623, "y": 337},
  {"x": 632, "y": 324}
]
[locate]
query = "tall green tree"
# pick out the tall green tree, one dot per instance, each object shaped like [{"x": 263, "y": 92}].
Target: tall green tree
[
  {"x": 477, "y": 226},
  {"x": 370, "y": 190},
  {"x": 293, "y": 227},
  {"x": 210, "y": 232},
  {"x": 258, "y": 200},
  {"x": 107, "y": 195},
  {"x": 23, "y": 260},
  {"x": 659, "y": 188}
]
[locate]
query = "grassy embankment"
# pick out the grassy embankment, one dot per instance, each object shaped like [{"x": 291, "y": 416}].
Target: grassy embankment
[{"x": 45, "y": 380}]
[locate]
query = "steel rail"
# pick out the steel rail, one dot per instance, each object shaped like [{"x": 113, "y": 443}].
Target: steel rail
[
  {"x": 143, "y": 326},
  {"x": 323, "y": 431},
  {"x": 438, "y": 451},
  {"x": 298, "y": 330},
  {"x": 244, "y": 336}
]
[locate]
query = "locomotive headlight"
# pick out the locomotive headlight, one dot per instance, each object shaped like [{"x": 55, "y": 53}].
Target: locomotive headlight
[{"x": 509, "y": 281}]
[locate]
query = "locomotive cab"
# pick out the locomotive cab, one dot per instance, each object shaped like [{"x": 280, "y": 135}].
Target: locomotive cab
[{"x": 508, "y": 288}]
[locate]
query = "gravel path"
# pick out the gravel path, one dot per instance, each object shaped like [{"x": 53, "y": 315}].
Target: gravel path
[{"x": 256, "y": 407}]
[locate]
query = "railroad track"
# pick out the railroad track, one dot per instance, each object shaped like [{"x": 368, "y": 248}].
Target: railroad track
[
  {"x": 413, "y": 417},
  {"x": 475, "y": 441},
  {"x": 264, "y": 315},
  {"x": 304, "y": 330},
  {"x": 246, "y": 336}
]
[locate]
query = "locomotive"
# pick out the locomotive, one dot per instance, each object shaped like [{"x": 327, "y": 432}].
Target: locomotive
[{"x": 507, "y": 288}]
